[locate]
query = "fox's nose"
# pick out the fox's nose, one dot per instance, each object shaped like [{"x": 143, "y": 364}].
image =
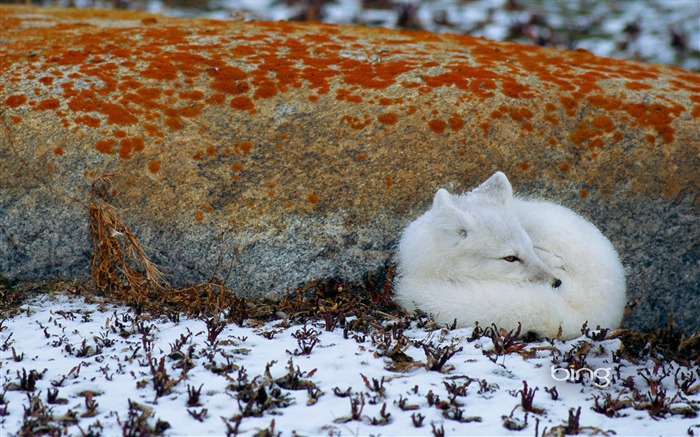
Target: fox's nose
[{"x": 556, "y": 283}]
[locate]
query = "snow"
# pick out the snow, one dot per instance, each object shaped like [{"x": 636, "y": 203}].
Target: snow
[{"x": 96, "y": 347}]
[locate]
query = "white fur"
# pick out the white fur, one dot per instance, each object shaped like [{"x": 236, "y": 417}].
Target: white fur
[{"x": 452, "y": 262}]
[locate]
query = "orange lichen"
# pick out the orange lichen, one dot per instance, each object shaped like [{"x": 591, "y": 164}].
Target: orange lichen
[
  {"x": 436, "y": 125},
  {"x": 58, "y": 151},
  {"x": 516, "y": 114},
  {"x": 243, "y": 147},
  {"x": 523, "y": 165},
  {"x": 637, "y": 86},
  {"x": 603, "y": 122},
  {"x": 129, "y": 145},
  {"x": 242, "y": 103},
  {"x": 565, "y": 166},
  {"x": 265, "y": 90},
  {"x": 650, "y": 138},
  {"x": 696, "y": 111},
  {"x": 71, "y": 57},
  {"x": 581, "y": 134},
  {"x": 137, "y": 143},
  {"x": 154, "y": 166},
  {"x": 485, "y": 127},
  {"x": 515, "y": 89},
  {"x": 312, "y": 198},
  {"x": 48, "y": 104},
  {"x": 597, "y": 143},
  {"x": 199, "y": 215},
  {"x": 569, "y": 104},
  {"x": 160, "y": 69},
  {"x": 583, "y": 193},
  {"x": 88, "y": 121},
  {"x": 229, "y": 80},
  {"x": 343, "y": 94},
  {"x": 354, "y": 122},
  {"x": 174, "y": 123},
  {"x": 105, "y": 146},
  {"x": 656, "y": 116},
  {"x": 162, "y": 76},
  {"x": 191, "y": 95},
  {"x": 390, "y": 118},
  {"x": 456, "y": 122}
]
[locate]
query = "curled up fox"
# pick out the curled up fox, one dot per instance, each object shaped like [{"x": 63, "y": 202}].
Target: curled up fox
[{"x": 490, "y": 257}]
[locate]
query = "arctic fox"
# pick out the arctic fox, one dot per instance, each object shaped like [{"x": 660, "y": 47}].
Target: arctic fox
[{"x": 490, "y": 257}]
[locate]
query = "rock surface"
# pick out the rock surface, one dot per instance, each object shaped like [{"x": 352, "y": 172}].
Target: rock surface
[{"x": 273, "y": 154}]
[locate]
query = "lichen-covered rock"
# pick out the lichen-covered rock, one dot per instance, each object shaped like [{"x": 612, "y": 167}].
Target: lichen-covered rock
[{"x": 273, "y": 154}]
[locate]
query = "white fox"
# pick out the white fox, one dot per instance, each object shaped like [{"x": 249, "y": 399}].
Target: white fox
[{"x": 489, "y": 257}]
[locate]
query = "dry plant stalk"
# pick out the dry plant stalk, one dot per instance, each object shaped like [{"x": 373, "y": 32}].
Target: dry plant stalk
[{"x": 120, "y": 265}]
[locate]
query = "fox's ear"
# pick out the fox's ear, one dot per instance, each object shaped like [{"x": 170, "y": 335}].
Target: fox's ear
[
  {"x": 496, "y": 187},
  {"x": 442, "y": 199}
]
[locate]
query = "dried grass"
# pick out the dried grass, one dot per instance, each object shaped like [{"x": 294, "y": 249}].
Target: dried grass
[
  {"x": 122, "y": 269},
  {"x": 120, "y": 265}
]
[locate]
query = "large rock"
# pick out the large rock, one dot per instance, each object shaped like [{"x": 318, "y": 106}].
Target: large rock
[{"x": 273, "y": 154}]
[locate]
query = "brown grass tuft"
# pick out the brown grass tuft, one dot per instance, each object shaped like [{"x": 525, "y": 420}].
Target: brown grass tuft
[
  {"x": 120, "y": 266},
  {"x": 122, "y": 269}
]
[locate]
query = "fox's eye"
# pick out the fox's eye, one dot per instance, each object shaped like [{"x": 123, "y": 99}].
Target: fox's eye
[
  {"x": 463, "y": 233},
  {"x": 511, "y": 258}
]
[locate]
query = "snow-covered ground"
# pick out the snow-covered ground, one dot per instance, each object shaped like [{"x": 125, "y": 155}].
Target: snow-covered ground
[{"x": 81, "y": 368}]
